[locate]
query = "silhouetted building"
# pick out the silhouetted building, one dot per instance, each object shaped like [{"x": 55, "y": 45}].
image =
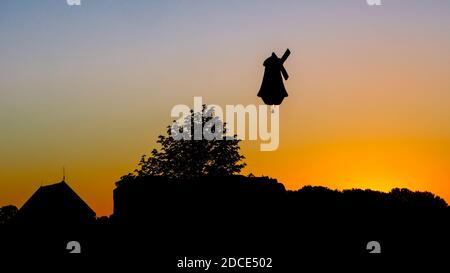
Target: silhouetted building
[
  {"x": 272, "y": 89},
  {"x": 55, "y": 204}
]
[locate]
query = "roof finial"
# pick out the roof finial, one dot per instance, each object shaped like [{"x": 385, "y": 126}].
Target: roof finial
[{"x": 64, "y": 175}]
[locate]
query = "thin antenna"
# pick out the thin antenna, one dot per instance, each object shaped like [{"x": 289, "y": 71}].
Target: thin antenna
[{"x": 64, "y": 174}]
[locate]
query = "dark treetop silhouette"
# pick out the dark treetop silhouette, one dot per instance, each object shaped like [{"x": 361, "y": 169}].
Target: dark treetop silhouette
[
  {"x": 188, "y": 158},
  {"x": 7, "y": 213},
  {"x": 272, "y": 89}
]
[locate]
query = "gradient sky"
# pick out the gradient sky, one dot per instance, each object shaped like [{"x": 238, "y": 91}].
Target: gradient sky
[{"x": 91, "y": 87}]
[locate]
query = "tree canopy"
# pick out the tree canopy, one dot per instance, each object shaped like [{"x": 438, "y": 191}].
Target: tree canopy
[
  {"x": 7, "y": 213},
  {"x": 183, "y": 155}
]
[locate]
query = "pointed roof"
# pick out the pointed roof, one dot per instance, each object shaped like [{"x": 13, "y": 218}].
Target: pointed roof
[{"x": 56, "y": 203}]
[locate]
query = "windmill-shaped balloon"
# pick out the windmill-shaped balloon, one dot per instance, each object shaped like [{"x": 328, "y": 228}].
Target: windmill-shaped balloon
[{"x": 272, "y": 89}]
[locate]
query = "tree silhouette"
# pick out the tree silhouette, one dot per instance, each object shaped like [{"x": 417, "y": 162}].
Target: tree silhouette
[
  {"x": 7, "y": 213},
  {"x": 183, "y": 155}
]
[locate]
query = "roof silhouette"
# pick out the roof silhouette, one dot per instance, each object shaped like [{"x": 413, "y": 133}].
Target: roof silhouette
[{"x": 56, "y": 203}]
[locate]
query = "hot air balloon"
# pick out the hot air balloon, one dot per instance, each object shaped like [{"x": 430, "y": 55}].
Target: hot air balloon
[{"x": 272, "y": 90}]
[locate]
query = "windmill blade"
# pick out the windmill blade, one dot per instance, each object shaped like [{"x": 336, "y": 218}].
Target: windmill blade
[{"x": 285, "y": 55}]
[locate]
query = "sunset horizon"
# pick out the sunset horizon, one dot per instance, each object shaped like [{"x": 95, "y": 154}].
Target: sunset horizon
[{"x": 90, "y": 88}]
